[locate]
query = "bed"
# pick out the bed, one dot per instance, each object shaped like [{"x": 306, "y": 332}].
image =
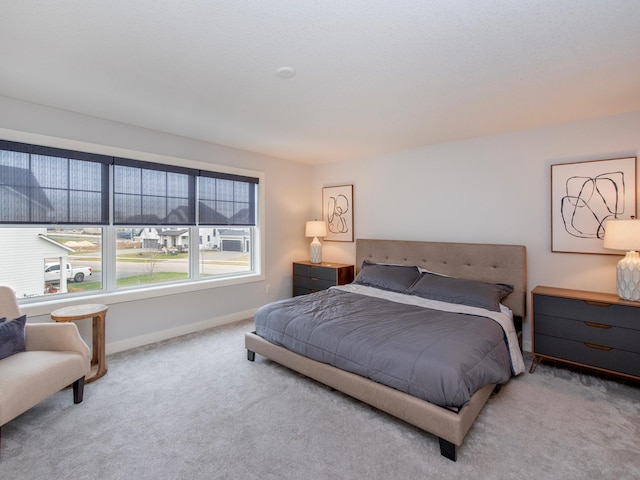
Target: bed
[{"x": 312, "y": 334}]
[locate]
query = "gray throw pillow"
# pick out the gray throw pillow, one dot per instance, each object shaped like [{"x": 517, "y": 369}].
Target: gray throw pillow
[
  {"x": 396, "y": 278},
  {"x": 12, "y": 336},
  {"x": 461, "y": 291}
]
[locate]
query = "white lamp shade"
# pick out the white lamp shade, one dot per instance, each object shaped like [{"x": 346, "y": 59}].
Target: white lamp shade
[
  {"x": 625, "y": 235},
  {"x": 317, "y": 228},
  {"x": 622, "y": 235}
]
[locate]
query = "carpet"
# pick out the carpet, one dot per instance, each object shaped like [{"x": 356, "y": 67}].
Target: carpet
[{"x": 193, "y": 407}]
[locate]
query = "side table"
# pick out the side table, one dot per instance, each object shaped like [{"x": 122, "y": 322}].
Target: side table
[
  {"x": 99, "y": 314},
  {"x": 311, "y": 277},
  {"x": 595, "y": 330}
]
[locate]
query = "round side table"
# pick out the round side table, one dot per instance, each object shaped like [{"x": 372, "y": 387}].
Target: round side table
[{"x": 99, "y": 314}]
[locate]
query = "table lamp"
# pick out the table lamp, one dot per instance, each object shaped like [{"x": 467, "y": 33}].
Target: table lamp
[
  {"x": 315, "y": 229},
  {"x": 625, "y": 235}
]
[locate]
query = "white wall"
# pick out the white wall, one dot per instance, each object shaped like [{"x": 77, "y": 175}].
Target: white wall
[
  {"x": 489, "y": 189},
  {"x": 287, "y": 205}
]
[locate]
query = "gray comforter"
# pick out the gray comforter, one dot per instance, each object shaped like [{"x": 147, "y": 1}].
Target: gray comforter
[{"x": 441, "y": 357}]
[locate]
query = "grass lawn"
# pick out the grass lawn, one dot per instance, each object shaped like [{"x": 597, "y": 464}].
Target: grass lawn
[
  {"x": 129, "y": 281},
  {"x": 147, "y": 278}
]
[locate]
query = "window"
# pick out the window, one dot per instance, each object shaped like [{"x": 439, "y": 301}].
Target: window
[{"x": 74, "y": 222}]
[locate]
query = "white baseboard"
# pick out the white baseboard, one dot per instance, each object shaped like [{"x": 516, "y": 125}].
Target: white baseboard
[{"x": 129, "y": 343}]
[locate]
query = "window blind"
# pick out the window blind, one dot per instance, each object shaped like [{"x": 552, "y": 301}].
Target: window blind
[
  {"x": 225, "y": 199},
  {"x": 52, "y": 186},
  {"x": 146, "y": 193},
  {"x": 43, "y": 185}
]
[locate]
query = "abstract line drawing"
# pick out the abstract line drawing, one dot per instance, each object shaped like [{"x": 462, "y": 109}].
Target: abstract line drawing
[
  {"x": 584, "y": 196},
  {"x": 337, "y": 211},
  {"x": 590, "y": 201},
  {"x": 337, "y": 208}
]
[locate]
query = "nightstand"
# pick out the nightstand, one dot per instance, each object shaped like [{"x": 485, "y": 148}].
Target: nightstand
[
  {"x": 589, "y": 329},
  {"x": 311, "y": 277}
]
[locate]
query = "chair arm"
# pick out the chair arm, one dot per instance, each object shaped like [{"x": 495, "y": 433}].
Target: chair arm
[{"x": 55, "y": 337}]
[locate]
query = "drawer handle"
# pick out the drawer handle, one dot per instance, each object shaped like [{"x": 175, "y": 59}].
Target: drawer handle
[
  {"x": 597, "y": 304},
  {"x": 598, "y": 347},
  {"x": 597, "y": 325},
  {"x": 313, "y": 279}
]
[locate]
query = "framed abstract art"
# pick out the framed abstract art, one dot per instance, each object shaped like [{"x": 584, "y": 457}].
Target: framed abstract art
[
  {"x": 584, "y": 195},
  {"x": 337, "y": 211}
]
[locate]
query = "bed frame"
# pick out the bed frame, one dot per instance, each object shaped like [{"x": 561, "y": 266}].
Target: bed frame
[{"x": 484, "y": 262}]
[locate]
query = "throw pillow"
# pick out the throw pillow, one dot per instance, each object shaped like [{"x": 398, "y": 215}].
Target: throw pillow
[
  {"x": 396, "y": 278},
  {"x": 12, "y": 336},
  {"x": 461, "y": 291}
]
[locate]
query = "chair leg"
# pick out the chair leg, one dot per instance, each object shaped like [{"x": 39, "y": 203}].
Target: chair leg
[{"x": 78, "y": 390}]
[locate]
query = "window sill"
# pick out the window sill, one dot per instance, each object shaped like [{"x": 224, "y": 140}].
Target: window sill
[{"x": 45, "y": 307}]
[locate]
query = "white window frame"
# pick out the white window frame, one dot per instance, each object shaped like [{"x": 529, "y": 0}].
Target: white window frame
[{"x": 108, "y": 295}]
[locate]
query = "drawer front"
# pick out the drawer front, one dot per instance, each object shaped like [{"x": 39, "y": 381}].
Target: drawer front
[
  {"x": 301, "y": 291},
  {"x": 588, "y": 332},
  {"x": 324, "y": 273},
  {"x": 613, "y": 359},
  {"x": 616, "y": 315},
  {"x": 312, "y": 283}
]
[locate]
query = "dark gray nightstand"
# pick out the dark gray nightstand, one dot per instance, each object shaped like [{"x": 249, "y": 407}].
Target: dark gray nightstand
[{"x": 311, "y": 277}]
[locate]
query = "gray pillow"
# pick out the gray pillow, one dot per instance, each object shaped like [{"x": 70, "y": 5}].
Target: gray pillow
[
  {"x": 396, "y": 278},
  {"x": 12, "y": 336},
  {"x": 460, "y": 291}
]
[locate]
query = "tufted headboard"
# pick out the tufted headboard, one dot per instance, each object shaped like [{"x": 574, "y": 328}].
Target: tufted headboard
[{"x": 477, "y": 261}]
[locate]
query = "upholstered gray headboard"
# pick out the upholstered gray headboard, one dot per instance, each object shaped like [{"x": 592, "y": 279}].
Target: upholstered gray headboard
[{"x": 477, "y": 261}]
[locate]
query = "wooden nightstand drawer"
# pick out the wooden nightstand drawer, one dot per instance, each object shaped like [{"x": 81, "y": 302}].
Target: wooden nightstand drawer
[
  {"x": 302, "y": 291},
  {"x": 312, "y": 283},
  {"x": 587, "y": 310},
  {"x": 589, "y": 354},
  {"x": 319, "y": 272},
  {"x": 589, "y": 332}
]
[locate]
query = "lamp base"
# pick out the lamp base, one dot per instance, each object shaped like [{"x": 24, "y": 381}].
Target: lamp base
[
  {"x": 315, "y": 251},
  {"x": 628, "y": 277}
]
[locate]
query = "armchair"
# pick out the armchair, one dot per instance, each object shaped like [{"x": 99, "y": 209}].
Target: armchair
[{"x": 55, "y": 357}]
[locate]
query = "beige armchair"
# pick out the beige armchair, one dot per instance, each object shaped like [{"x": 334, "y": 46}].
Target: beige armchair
[{"x": 55, "y": 357}]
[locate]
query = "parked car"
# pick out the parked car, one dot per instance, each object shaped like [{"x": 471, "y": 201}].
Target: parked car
[{"x": 77, "y": 274}]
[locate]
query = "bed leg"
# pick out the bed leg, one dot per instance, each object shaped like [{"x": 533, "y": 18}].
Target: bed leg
[
  {"x": 447, "y": 449},
  {"x": 251, "y": 356}
]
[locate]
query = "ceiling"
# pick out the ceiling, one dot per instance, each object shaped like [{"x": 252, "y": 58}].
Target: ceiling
[{"x": 372, "y": 76}]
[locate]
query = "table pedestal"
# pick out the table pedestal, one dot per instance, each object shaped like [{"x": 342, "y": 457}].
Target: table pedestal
[{"x": 99, "y": 314}]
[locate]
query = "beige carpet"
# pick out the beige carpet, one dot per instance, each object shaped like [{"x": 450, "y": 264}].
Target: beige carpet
[{"x": 195, "y": 408}]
